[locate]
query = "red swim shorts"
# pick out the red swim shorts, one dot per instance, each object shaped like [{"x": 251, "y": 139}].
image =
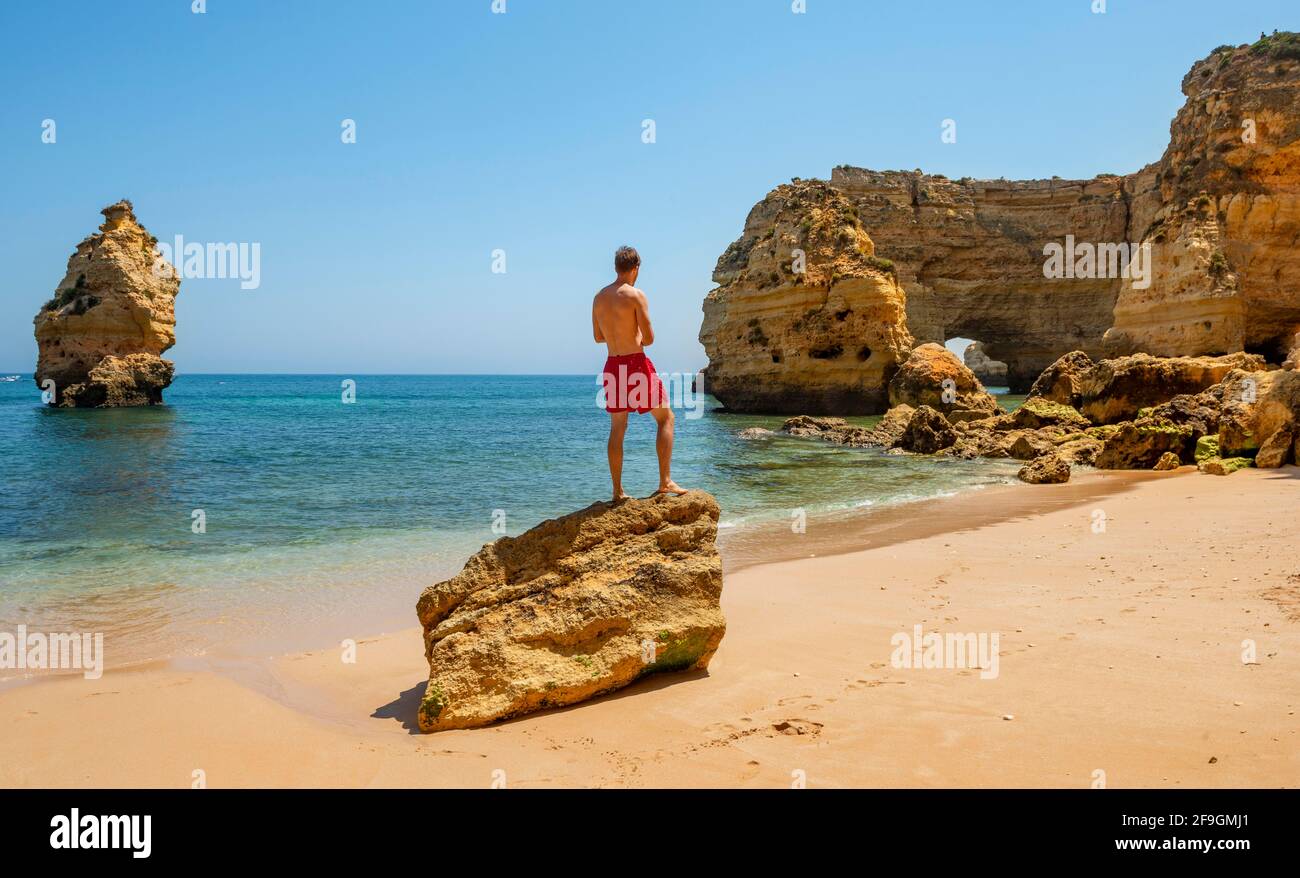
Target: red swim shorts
[{"x": 632, "y": 385}]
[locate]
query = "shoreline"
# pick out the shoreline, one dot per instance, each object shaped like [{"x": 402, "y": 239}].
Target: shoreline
[
  {"x": 755, "y": 543},
  {"x": 832, "y": 534},
  {"x": 1107, "y": 663}
]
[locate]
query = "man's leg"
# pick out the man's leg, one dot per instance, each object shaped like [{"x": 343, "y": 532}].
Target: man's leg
[
  {"x": 617, "y": 429},
  {"x": 664, "y": 448}
]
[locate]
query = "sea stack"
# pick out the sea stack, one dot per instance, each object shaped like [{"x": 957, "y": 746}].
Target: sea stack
[{"x": 101, "y": 337}]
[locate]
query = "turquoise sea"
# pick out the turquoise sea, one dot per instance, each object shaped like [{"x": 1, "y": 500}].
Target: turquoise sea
[{"x": 325, "y": 519}]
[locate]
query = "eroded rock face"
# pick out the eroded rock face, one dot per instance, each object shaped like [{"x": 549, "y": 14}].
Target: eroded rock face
[
  {"x": 1220, "y": 216},
  {"x": 969, "y": 255},
  {"x": 100, "y": 338},
  {"x": 572, "y": 609},
  {"x": 820, "y": 332}
]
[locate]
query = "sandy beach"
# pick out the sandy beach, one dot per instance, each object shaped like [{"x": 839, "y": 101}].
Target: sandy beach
[{"x": 1120, "y": 661}]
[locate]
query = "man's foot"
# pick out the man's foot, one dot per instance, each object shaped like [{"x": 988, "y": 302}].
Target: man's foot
[
  {"x": 619, "y": 496},
  {"x": 670, "y": 487}
]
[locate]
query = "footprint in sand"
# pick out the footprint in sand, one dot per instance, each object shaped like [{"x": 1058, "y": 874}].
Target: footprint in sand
[{"x": 798, "y": 727}]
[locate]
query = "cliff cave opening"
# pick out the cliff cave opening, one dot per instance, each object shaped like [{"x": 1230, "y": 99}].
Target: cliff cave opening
[{"x": 991, "y": 373}]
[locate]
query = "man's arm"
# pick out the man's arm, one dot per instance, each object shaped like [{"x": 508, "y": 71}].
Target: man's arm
[
  {"x": 595, "y": 326},
  {"x": 643, "y": 320}
]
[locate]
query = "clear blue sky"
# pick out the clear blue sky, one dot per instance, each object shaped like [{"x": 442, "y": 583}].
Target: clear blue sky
[{"x": 522, "y": 132}]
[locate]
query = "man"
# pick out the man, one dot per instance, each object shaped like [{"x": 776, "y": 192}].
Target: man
[{"x": 620, "y": 318}]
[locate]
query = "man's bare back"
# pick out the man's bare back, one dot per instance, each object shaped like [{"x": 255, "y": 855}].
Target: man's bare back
[{"x": 620, "y": 318}]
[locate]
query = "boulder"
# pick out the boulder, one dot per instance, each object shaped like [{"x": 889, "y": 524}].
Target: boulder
[
  {"x": 1080, "y": 452},
  {"x": 1256, "y": 406},
  {"x": 1224, "y": 466},
  {"x": 1062, "y": 382},
  {"x": 1028, "y": 444},
  {"x": 1049, "y": 468},
  {"x": 1039, "y": 412},
  {"x": 818, "y": 428},
  {"x": 1117, "y": 390},
  {"x": 573, "y": 608},
  {"x": 933, "y": 376},
  {"x": 840, "y": 432},
  {"x": 1199, "y": 411},
  {"x": 927, "y": 432},
  {"x": 1140, "y": 444},
  {"x": 1276, "y": 449},
  {"x": 894, "y": 424},
  {"x": 754, "y": 433},
  {"x": 1168, "y": 461},
  {"x": 100, "y": 338},
  {"x": 1206, "y": 448}
]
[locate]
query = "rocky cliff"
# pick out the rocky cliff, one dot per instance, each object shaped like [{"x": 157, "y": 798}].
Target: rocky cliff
[
  {"x": 575, "y": 607},
  {"x": 100, "y": 338},
  {"x": 1220, "y": 211}
]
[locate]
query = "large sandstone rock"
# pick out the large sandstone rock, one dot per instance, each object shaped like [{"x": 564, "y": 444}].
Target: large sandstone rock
[
  {"x": 927, "y": 432},
  {"x": 100, "y": 338},
  {"x": 1141, "y": 444},
  {"x": 805, "y": 318},
  {"x": 1062, "y": 381},
  {"x": 1221, "y": 215},
  {"x": 572, "y": 609},
  {"x": 933, "y": 376},
  {"x": 1118, "y": 389},
  {"x": 1047, "y": 469},
  {"x": 1261, "y": 410}
]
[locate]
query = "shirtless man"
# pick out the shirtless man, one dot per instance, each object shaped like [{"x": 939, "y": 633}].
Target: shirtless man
[{"x": 620, "y": 319}]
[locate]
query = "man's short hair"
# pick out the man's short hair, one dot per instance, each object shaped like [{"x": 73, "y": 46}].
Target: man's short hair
[{"x": 626, "y": 258}]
